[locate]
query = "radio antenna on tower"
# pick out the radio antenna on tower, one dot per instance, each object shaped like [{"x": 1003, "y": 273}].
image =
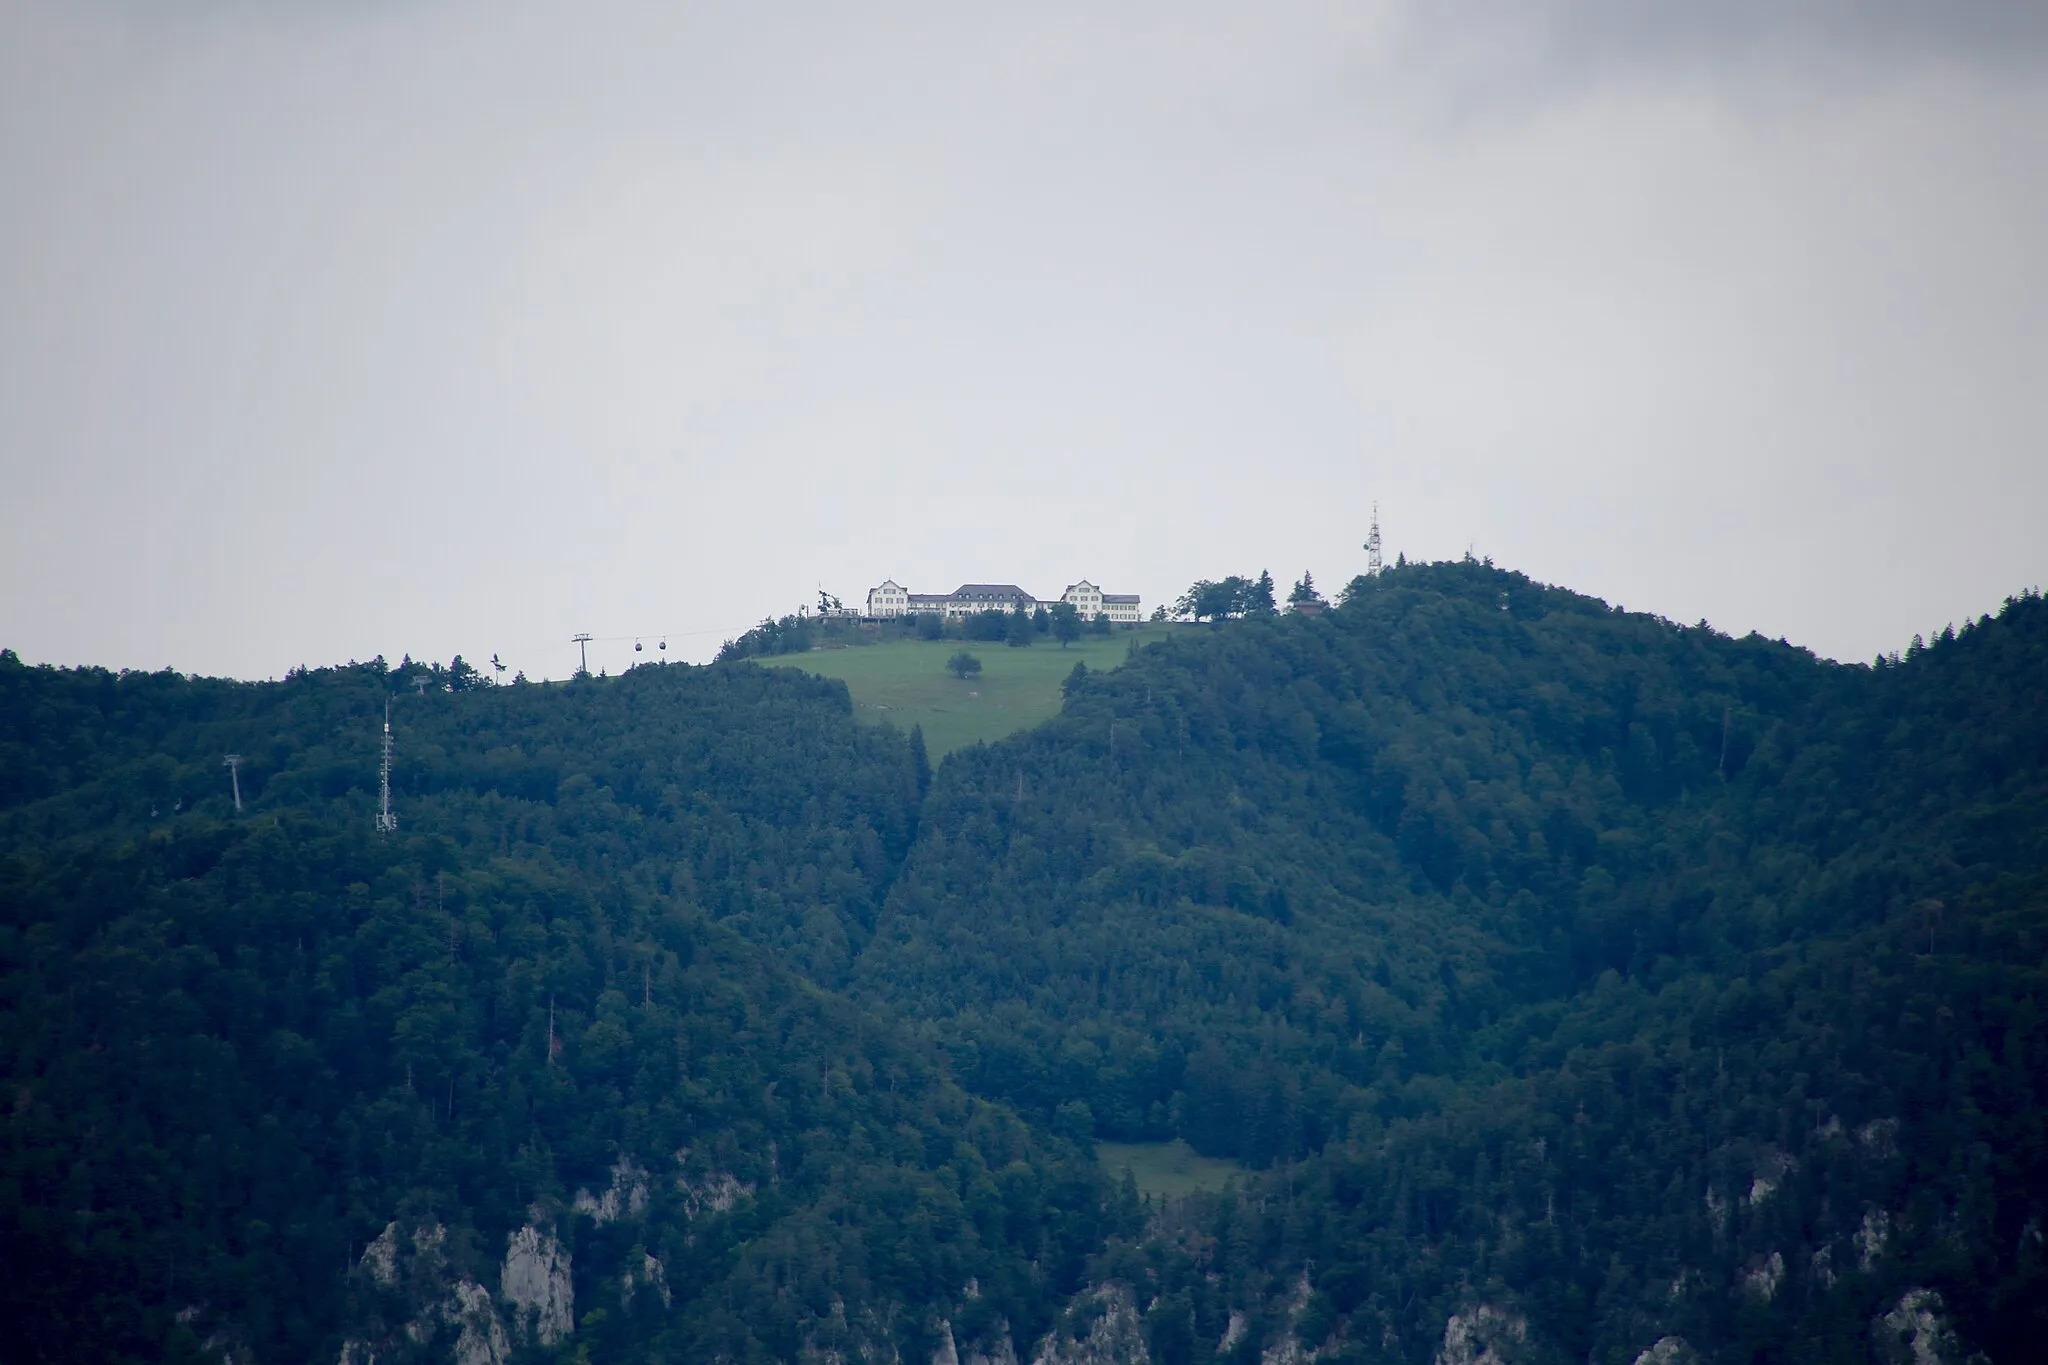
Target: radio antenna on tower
[
  {"x": 1373, "y": 564},
  {"x": 387, "y": 823}
]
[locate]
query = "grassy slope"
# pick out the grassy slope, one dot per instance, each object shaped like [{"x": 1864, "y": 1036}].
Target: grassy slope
[
  {"x": 1168, "y": 1169},
  {"x": 905, "y": 682}
]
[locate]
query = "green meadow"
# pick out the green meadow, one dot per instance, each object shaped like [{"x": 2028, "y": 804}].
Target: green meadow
[
  {"x": 1166, "y": 1169},
  {"x": 905, "y": 682}
]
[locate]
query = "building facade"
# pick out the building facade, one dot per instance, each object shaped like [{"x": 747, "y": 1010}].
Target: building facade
[{"x": 890, "y": 599}]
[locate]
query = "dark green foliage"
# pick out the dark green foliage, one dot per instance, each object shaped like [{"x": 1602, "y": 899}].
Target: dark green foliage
[
  {"x": 1230, "y": 599},
  {"x": 1065, "y": 623},
  {"x": 986, "y": 626},
  {"x": 1492, "y": 903},
  {"x": 963, "y": 665},
  {"x": 1539, "y": 954},
  {"x": 790, "y": 635},
  {"x": 235, "y": 1049}
]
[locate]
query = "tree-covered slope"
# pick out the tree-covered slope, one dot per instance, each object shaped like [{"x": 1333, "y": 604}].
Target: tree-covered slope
[
  {"x": 1598, "y": 961},
  {"x": 239, "y": 1048},
  {"x": 1577, "y": 982}
]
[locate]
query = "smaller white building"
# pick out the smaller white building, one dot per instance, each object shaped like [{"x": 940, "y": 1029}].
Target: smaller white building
[{"x": 888, "y": 599}]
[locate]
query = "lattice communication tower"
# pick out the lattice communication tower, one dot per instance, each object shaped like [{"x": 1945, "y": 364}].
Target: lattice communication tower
[
  {"x": 1373, "y": 564},
  {"x": 387, "y": 823}
]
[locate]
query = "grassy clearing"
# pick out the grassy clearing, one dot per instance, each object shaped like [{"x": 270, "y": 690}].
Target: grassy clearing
[
  {"x": 905, "y": 682},
  {"x": 1166, "y": 1169}
]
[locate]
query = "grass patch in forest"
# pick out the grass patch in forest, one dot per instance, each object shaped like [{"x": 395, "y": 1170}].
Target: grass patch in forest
[
  {"x": 1166, "y": 1169},
  {"x": 905, "y": 682}
]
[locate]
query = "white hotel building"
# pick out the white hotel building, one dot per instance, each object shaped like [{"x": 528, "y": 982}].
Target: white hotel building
[{"x": 890, "y": 598}]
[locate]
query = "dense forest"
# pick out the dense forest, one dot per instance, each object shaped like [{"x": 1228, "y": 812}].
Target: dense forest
[{"x": 1574, "y": 984}]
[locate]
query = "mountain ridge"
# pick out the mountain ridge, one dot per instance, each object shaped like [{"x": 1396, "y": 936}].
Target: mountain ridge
[{"x": 1581, "y": 982}]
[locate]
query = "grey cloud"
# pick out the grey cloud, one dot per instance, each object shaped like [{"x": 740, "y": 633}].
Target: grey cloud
[{"x": 1499, "y": 57}]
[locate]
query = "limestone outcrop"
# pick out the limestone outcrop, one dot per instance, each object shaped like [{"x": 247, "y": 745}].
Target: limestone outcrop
[
  {"x": 1484, "y": 1335},
  {"x": 1099, "y": 1328},
  {"x": 536, "y": 1286}
]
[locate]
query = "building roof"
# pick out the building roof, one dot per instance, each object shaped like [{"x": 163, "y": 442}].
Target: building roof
[
  {"x": 1120, "y": 597},
  {"x": 991, "y": 590}
]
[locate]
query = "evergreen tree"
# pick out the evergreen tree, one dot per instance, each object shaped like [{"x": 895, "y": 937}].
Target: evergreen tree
[{"x": 1066, "y": 623}]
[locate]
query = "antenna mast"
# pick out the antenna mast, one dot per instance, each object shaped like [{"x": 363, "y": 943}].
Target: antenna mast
[
  {"x": 1373, "y": 564},
  {"x": 233, "y": 763},
  {"x": 582, "y": 642},
  {"x": 387, "y": 823}
]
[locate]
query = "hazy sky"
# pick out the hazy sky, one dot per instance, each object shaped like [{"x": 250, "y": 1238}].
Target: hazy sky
[{"x": 332, "y": 329}]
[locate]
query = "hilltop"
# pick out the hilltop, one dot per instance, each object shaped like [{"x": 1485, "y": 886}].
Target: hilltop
[{"x": 1534, "y": 977}]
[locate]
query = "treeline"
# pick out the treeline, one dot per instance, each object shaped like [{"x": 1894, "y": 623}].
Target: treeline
[{"x": 1061, "y": 622}]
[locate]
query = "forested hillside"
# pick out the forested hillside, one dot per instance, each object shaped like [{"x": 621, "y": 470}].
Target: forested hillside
[
  {"x": 1634, "y": 979},
  {"x": 239, "y": 1047},
  {"x": 1580, "y": 986}
]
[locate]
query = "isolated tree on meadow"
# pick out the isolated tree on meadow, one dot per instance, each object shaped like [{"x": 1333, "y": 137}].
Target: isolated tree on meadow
[
  {"x": 1066, "y": 623},
  {"x": 963, "y": 666}
]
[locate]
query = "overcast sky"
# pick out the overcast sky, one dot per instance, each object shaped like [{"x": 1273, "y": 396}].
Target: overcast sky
[{"x": 332, "y": 329}]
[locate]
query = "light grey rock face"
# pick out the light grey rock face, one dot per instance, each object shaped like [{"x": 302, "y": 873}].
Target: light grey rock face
[
  {"x": 380, "y": 1257},
  {"x": 713, "y": 1192},
  {"x": 1484, "y": 1336},
  {"x": 1233, "y": 1331},
  {"x": 1871, "y": 1238},
  {"x": 1763, "y": 1281},
  {"x": 998, "y": 1350},
  {"x": 535, "y": 1285},
  {"x": 1669, "y": 1351},
  {"x": 1112, "y": 1334},
  {"x": 1771, "y": 1169},
  {"x": 441, "y": 1302},
  {"x": 625, "y": 1197},
  {"x": 1289, "y": 1349},
  {"x": 480, "y": 1337},
  {"x": 992, "y": 1348},
  {"x": 1915, "y": 1332},
  {"x": 649, "y": 1274}
]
